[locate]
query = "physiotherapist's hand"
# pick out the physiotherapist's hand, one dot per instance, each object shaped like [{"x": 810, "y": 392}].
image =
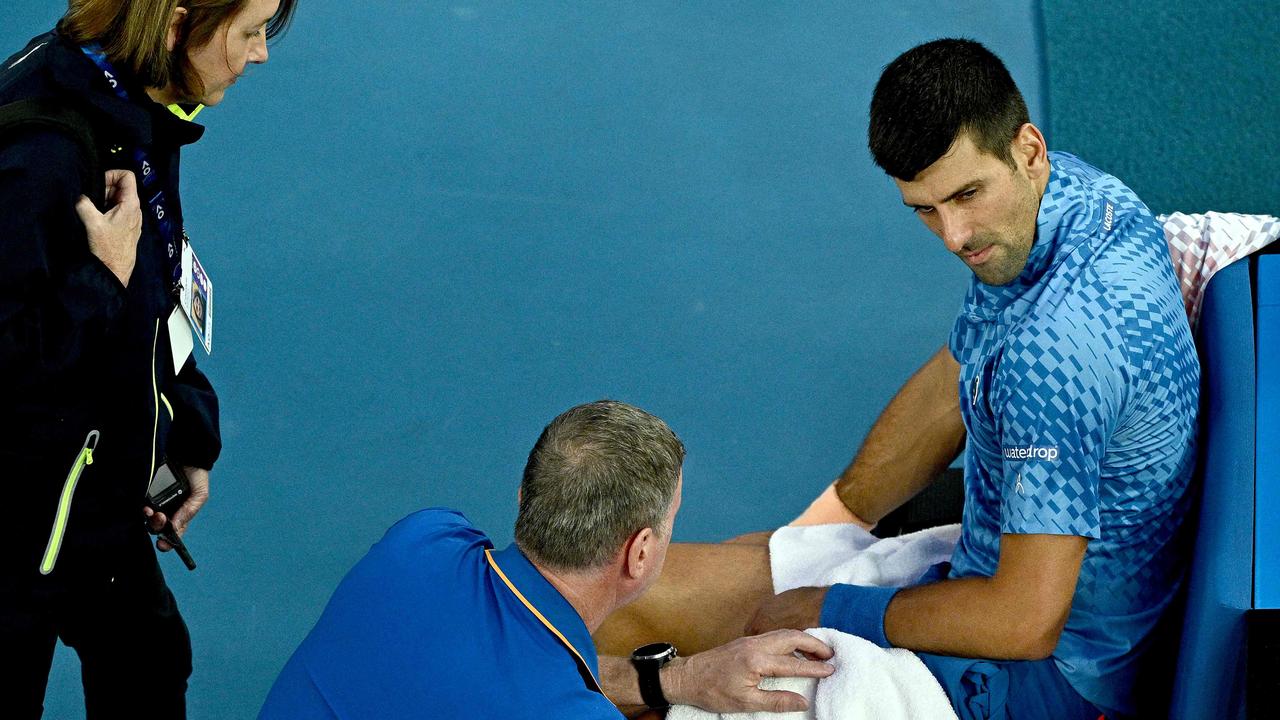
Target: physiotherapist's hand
[
  {"x": 113, "y": 235},
  {"x": 727, "y": 678},
  {"x": 798, "y": 609},
  {"x": 199, "y": 479}
]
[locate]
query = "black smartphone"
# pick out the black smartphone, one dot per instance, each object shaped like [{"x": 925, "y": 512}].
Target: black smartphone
[{"x": 170, "y": 488}]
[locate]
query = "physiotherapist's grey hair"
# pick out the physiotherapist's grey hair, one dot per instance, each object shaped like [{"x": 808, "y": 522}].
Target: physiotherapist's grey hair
[{"x": 598, "y": 473}]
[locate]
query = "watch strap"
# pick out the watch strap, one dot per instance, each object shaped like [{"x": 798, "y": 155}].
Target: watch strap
[{"x": 651, "y": 683}]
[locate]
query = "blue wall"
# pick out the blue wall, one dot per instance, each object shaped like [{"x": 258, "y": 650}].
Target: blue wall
[
  {"x": 434, "y": 226},
  {"x": 1180, "y": 99}
]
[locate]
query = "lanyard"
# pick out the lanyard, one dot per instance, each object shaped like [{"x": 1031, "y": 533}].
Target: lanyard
[{"x": 150, "y": 184}]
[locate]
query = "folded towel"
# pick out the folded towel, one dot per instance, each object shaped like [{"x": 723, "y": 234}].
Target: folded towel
[
  {"x": 870, "y": 683},
  {"x": 822, "y": 555}
]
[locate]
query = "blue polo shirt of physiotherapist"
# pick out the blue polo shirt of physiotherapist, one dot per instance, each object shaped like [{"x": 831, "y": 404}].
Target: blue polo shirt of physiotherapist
[{"x": 433, "y": 622}]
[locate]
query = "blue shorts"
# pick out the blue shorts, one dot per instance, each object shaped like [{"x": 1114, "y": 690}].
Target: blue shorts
[
  {"x": 1009, "y": 690},
  {"x": 1005, "y": 690}
]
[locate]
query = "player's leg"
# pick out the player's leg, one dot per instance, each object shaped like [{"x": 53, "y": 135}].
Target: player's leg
[
  {"x": 755, "y": 538},
  {"x": 703, "y": 599}
]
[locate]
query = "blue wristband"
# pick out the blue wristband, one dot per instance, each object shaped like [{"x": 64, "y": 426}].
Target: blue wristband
[{"x": 858, "y": 610}]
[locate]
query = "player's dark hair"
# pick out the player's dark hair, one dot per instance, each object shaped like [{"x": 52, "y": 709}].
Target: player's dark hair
[{"x": 933, "y": 92}]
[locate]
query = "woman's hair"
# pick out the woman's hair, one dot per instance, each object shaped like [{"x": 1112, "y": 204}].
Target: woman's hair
[{"x": 134, "y": 35}]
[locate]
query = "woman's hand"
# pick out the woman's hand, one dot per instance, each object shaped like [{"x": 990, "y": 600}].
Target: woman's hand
[
  {"x": 199, "y": 479},
  {"x": 113, "y": 235}
]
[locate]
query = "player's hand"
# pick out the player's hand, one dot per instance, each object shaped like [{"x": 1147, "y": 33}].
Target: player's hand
[
  {"x": 113, "y": 235},
  {"x": 798, "y": 609},
  {"x": 727, "y": 678},
  {"x": 199, "y": 479}
]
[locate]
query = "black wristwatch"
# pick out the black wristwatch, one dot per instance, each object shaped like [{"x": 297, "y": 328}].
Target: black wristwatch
[{"x": 648, "y": 660}]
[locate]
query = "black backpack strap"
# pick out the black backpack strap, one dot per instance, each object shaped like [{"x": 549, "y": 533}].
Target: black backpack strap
[{"x": 46, "y": 113}]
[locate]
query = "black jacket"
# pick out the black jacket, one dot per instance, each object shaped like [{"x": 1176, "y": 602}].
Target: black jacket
[{"x": 79, "y": 352}]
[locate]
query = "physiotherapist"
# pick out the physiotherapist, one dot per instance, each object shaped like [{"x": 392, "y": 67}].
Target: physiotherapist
[{"x": 435, "y": 622}]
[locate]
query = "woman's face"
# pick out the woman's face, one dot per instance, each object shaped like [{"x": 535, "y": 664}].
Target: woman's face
[{"x": 243, "y": 40}]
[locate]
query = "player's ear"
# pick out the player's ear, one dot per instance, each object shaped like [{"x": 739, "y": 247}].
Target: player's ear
[{"x": 1030, "y": 151}]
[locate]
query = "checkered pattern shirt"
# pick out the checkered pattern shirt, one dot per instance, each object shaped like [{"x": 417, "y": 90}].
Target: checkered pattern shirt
[{"x": 1079, "y": 390}]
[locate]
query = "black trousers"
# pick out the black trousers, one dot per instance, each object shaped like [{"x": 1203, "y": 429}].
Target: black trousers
[{"x": 119, "y": 617}]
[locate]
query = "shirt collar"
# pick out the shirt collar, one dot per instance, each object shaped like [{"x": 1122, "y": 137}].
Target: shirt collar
[
  {"x": 1065, "y": 207},
  {"x": 544, "y": 599}
]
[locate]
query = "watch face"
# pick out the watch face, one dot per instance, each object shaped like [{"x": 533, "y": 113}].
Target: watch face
[{"x": 655, "y": 651}]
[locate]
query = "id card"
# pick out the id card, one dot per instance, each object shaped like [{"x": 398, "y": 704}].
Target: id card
[
  {"x": 180, "y": 341},
  {"x": 196, "y": 297}
]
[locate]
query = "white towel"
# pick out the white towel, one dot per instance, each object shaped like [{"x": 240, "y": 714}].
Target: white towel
[
  {"x": 821, "y": 555},
  {"x": 870, "y": 683}
]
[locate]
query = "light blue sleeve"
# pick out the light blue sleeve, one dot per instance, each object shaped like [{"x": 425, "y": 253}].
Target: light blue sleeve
[{"x": 1059, "y": 388}]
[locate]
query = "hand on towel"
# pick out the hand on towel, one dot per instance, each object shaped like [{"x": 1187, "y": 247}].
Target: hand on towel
[
  {"x": 796, "y": 609},
  {"x": 727, "y": 678}
]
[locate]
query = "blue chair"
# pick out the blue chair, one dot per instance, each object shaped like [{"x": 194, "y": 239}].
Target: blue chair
[
  {"x": 1233, "y": 588},
  {"x": 1263, "y": 621}
]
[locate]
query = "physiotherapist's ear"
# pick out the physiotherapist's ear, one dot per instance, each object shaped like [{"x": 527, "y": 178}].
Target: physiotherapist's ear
[
  {"x": 639, "y": 552},
  {"x": 1031, "y": 151},
  {"x": 175, "y": 26}
]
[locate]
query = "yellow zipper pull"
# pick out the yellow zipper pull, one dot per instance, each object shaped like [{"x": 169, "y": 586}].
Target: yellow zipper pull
[
  {"x": 90, "y": 444},
  {"x": 59, "y": 530}
]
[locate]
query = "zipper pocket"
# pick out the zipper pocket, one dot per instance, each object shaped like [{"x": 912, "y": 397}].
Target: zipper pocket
[
  {"x": 85, "y": 458},
  {"x": 155, "y": 394}
]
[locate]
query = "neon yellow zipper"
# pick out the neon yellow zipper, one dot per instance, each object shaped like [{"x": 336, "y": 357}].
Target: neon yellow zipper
[
  {"x": 155, "y": 394},
  {"x": 84, "y": 459}
]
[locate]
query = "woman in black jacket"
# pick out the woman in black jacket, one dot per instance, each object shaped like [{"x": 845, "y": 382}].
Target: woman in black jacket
[{"x": 98, "y": 387}]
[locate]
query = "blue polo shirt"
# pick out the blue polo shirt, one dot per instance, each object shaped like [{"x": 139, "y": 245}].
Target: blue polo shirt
[
  {"x": 432, "y": 622},
  {"x": 1079, "y": 388}
]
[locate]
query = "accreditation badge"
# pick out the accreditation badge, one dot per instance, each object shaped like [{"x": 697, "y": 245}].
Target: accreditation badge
[
  {"x": 196, "y": 297},
  {"x": 180, "y": 342}
]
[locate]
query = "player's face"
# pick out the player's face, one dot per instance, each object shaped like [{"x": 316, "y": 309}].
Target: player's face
[{"x": 983, "y": 210}]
